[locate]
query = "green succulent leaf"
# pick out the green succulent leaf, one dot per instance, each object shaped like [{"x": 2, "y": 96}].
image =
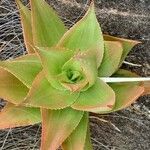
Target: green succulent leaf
[
  {"x": 124, "y": 73},
  {"x": 126, "y": 44},
  {"x": 42, "y": 94},
  {"x": 47, "y": 28},
  {"x": 84, "y": 65},
  {"x": 53, "y": 60},
  {"x": 111, "y": 60},
  {"x": 57, "y": 126},
  {"x": 65, "y": 69},
  {"x": 100, "y": 97},
  {"x": 16, "y": 116},
  {"x": 85, "y": 35},
  {"x": 76, "y": 141},
  {"x": 25, "y": 15},
  {"x": 25, "y": 68},
  {"x": 11, "y": 89},
  {"x": 88, "y": 144},
  {"x": 126, "y": 93}
]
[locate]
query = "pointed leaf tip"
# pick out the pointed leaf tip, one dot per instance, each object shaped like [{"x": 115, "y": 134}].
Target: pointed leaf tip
[
  {"x": 84, "y": 35},
  {"x": 47, "y": 27},
  {"x": 25, "y": 15},
  {"x": 92, "y": 4},
  {"x": 126, "y": 44}
]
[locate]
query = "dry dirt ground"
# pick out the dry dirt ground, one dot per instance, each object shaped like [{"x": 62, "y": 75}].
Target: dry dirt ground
[{"x": 128, "y": 129}]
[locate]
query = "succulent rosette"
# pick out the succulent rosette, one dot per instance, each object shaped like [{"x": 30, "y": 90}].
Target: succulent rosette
[{"x": 59, "y": 81}]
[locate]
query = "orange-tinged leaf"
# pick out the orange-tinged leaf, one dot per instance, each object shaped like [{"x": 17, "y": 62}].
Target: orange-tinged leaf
[
  {"x": 25, "y": 68},
  {"x": 15, "y": 116},
  {"x": 126, "y": 44},
  {"x": 57, "y": 126},
  {"x": 111, "y": 60},
  {"x": 11, "y": 89},
  {"x": 42, "y": 94},
  {"x": 126, "y": 94},
  {"x": 46, "y": 26},
  {"x": 126, "y": 73},
  {"x": 100, "y": 97},
  {"x": 76, "y": 141},
  {"x": 146, "y": 87},
  {"x": 84, "y": 35},
  {"x": 25, "y": 15}
]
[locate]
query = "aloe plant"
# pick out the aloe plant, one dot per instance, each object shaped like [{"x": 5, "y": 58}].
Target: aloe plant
[{"x": 63, "y": 77}]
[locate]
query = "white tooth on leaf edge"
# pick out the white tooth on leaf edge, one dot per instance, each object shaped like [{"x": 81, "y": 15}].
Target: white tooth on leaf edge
[{"x": 119, "y": 79}]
